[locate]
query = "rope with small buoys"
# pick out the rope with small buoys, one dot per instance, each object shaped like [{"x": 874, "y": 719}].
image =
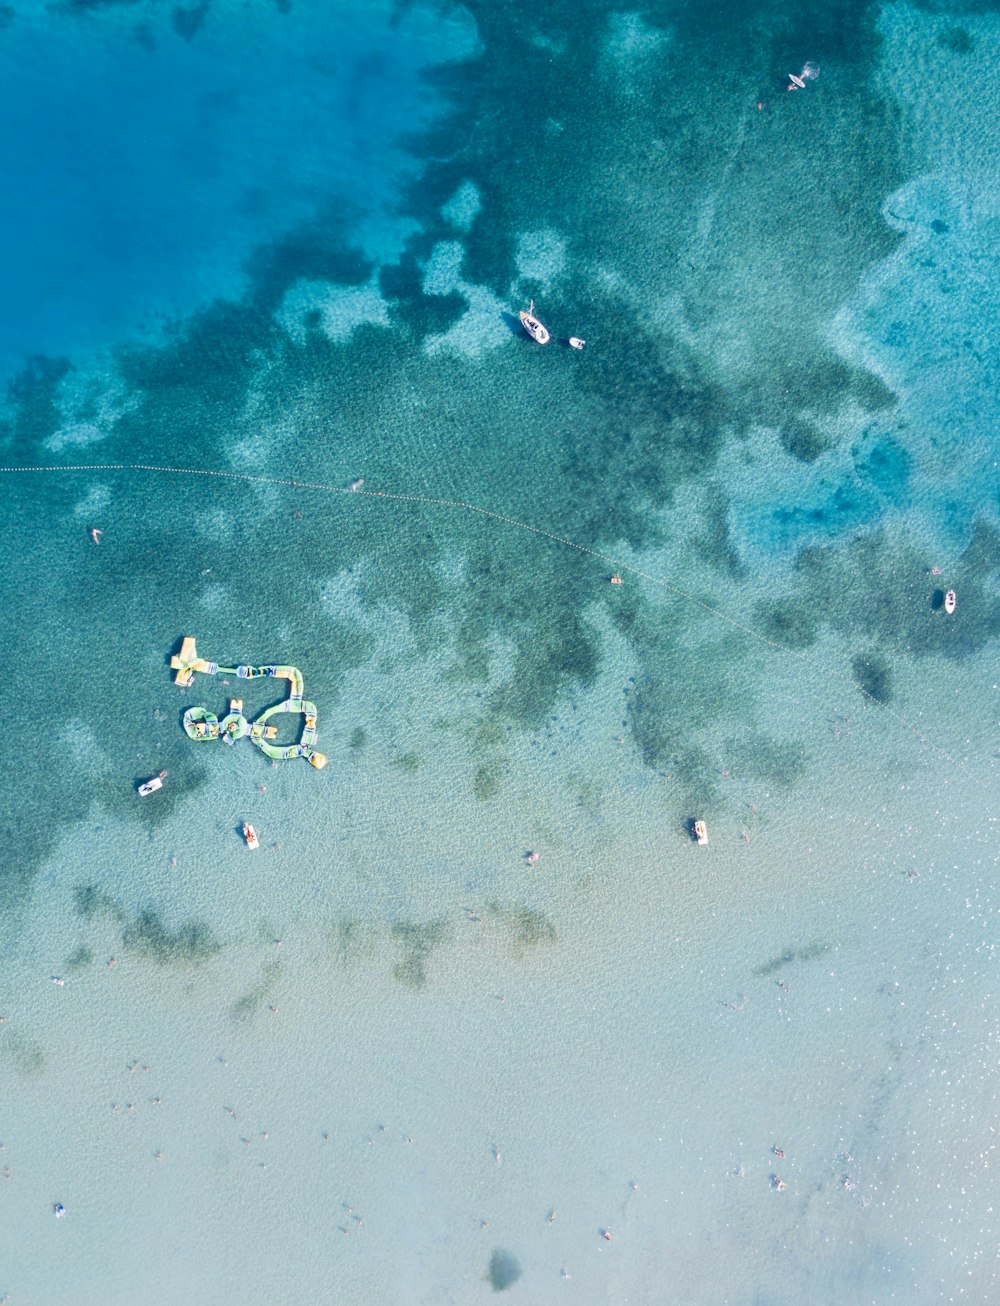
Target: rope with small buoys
[{"x": 356, "y": 491}]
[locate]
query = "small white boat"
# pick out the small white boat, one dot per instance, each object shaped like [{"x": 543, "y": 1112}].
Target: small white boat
[
  {"x": 533, "y": 326},
  {"x": 250, "y": 835},
  {"x": 151, "y": 786},
  {"x": 950, "y": 601},
  {"x": 795, "y": 83},
  {"x": 576, "y": 343},
  {"x": 700, "y": 832}
]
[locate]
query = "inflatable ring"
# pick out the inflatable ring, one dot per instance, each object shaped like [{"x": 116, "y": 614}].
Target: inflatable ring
[
  {"x": 234, "y": 726},
  {"x": 199, "y": 723}
]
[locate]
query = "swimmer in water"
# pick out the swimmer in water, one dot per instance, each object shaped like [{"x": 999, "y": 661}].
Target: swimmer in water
[{"x": 96, "y": 534}]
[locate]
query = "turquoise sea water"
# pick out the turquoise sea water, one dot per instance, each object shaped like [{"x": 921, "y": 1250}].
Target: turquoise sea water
[{"x": 386, "y": 1059}]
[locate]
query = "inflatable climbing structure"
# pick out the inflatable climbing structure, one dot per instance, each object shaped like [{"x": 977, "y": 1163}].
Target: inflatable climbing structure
[{"x": 200, "y": 724}]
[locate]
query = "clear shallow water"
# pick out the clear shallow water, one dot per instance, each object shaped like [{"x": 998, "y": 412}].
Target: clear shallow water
[{"x": 763, "y": 434}]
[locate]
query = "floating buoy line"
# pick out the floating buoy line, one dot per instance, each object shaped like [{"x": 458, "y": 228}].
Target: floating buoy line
[{"x": 356, "y": 490}]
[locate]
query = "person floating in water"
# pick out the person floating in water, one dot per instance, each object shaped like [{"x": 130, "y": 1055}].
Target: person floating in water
[
  {"x": 96, "y": 534},
  {"x": 810, "y": 71}
]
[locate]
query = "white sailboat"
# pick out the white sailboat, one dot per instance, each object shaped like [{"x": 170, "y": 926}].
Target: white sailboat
[{"x": 534, "y": 327}]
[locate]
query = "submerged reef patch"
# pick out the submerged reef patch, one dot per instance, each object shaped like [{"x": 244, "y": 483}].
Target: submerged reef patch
[
  {"x": 809, "y": 952},
  {"x": 873, "y": 675},
  {"x": 792, "y": 625},
  {"x": 247, "y": 1006},
  {"x": 80, "y": 958},
  {"x": 487, "y": 780},
  {"x": 504, "y": 1270},
  {"x": 781, "y": 763},
  {"x": 803, "y": 440},
  {"x": 527, "y": 927},
  {"x": 349, "y": 936},
  {"x": 417, "y": 941},
  {"x": 190, "y": 944},
  {"x": 145, "y": 933},
  {"x": 22, "y": 1053}
]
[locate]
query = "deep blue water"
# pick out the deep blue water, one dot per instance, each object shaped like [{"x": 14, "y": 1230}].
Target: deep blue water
[{"x": 147, "y": 158}]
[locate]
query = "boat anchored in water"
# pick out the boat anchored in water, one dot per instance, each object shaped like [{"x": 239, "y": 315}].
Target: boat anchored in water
[
  {"x": 250, "y": 835},
  {"x": 950, "y": 602},
  {"x": 150, "y": 786},
  {"x": 533, "y": 325},
  {"x": 700, "y": 831}
]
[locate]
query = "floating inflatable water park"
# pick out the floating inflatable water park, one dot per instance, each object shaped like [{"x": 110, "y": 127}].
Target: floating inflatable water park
[{"x": 201, "y": 724}]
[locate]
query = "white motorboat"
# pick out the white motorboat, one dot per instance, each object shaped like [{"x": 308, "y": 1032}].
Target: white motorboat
[
  {"x": 533, "y": 325},
  {"x": 700, "y": 830},
  {"x": 150, "y": 786},
  {"x": 950, "y": 602},
  {"x": 576, "y": 343}
]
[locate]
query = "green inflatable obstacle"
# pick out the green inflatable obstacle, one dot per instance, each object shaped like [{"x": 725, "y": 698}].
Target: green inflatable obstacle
[
  {"x": 234, "y": 726},
  {"x": 201, "y": 724}
]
